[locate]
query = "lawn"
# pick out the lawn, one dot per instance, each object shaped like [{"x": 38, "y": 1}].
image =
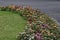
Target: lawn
[{"x": 10, "y": 25}]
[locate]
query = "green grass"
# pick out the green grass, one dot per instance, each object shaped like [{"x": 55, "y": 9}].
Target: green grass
[{"x": 10, "y": 25}]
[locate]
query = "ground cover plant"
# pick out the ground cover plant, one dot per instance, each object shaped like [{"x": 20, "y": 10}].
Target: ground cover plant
[
  {"x": 10, "y": 25},
  {"x": 39, "y": 25}
]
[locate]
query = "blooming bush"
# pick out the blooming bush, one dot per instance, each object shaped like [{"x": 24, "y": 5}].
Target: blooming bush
[{"x": 39, "y": 25}]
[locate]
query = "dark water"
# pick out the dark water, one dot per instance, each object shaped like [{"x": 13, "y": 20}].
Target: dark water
[{"x": 52, "y": 8}]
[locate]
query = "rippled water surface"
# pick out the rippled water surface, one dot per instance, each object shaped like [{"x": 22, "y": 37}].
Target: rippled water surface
[{"x": 52, "y": 8}]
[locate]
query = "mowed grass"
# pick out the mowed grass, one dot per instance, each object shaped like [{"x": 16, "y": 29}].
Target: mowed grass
[{"x": 10, "y": 25}]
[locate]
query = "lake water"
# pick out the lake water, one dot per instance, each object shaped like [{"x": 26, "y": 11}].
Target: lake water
[{"x": 52, "y": 8}]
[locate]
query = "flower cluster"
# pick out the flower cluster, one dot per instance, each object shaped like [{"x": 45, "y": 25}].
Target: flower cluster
[{"x": 39, "y": 25}]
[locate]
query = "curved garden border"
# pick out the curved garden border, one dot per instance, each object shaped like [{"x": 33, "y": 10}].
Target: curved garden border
[{"x": 39, "y": 25}]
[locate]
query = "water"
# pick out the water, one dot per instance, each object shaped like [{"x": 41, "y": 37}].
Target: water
[{"x": 52, "y": 8}]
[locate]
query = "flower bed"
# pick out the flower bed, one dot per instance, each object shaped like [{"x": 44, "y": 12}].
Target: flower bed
[{"x": 39, "y": 25}]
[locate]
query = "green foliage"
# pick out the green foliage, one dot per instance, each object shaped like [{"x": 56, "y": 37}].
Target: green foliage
[{"x": 10, "y": 25}]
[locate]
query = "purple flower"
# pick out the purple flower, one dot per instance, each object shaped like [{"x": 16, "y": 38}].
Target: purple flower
[
  {"x": 45, "y": 25},
  {"x": 38, "y": 36}
]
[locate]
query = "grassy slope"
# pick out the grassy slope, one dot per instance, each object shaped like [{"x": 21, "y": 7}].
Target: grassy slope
[{"x": 10, "y": 25}]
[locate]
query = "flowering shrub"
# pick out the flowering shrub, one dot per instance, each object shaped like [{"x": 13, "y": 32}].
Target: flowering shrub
[{"x": 39, "y": 25}]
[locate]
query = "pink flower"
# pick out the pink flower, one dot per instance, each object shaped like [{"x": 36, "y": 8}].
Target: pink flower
[
  {"x": 38, "y": 36},
  {"x": 45, "y": 25}
]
